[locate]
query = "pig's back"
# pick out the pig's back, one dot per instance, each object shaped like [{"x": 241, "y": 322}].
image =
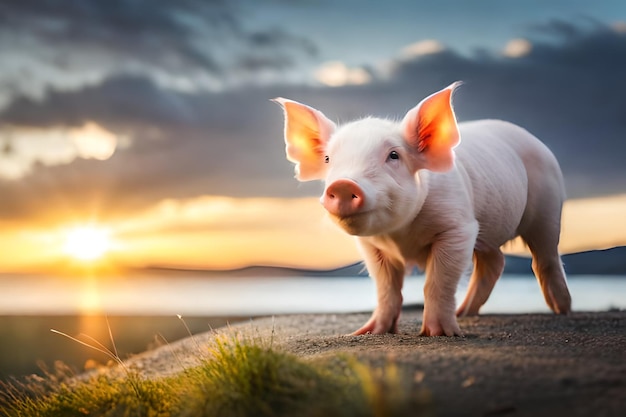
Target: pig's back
[{"x": 494, "y": 158}]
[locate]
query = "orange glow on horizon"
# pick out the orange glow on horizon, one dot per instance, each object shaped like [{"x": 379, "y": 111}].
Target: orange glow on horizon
[{"x": 222, "y": 233}]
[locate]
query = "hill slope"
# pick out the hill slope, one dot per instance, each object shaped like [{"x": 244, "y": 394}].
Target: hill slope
[
  {"x": 597, "y": 262},
  {"x": 522, "y": 365}
]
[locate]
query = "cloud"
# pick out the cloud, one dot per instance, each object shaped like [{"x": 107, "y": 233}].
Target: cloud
[
  {"x": 122, "y": 99},
  {"x": 619, "y": 27},
  {"x": 175, "y": 145},
  {"x": 337, "y": 74},
  {"x": 204, "y": 44},
  {"x": 25, "y": 147},
  {"x": 93, "y": 141},
  {"x": 567, "y": 91},
  {"x": 124, "y": 28},
  {"x": 517, "y": 48},
  {"x": 425, "y": 47}
]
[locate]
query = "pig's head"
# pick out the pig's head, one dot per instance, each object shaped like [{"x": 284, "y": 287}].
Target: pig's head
[{"x": 370, "y": 166}]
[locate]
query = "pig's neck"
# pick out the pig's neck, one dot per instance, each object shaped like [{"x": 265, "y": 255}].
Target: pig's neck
[
  {"x": 443, "y": 204},
  {"x": 409, "y": 242}
]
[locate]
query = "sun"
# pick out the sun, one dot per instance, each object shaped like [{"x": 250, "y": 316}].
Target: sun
[{"x": 87, "y": 243}]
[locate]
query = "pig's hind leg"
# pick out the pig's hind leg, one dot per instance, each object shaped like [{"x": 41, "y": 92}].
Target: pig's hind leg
[
  {"x": 488, "y": 266},
  {"x": 548, "y": 269},
  {"x": 543, "y": 239},
  {"x": 540, "y": 228}
]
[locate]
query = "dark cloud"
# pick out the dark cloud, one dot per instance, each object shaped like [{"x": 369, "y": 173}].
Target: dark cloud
[
  {"x": 568, "y": 92},
  {"x": 120, "y": 100},
  {"x": 120, "y": 27},
  {"x": 559, "y": 29},
  {"x": 267, "y": 50},
  {"x": 274, "y": 37},
  {"x": 177, "y": 37},
  {"x": 591, "y": 47},
  {"x": 182, "y": 145}
]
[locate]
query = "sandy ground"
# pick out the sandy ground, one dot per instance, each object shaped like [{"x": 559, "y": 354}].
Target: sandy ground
[{"x": 505, "y": 365}]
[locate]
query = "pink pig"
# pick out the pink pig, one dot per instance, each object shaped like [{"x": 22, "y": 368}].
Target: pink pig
[{"x": 411, "y": 196}]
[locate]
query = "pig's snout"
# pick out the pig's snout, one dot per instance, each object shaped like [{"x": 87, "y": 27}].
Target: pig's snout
[{"x": 343, "y": 198}]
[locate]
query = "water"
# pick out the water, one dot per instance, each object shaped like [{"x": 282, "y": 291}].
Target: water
[
  {"x": 265, "y": 296},
  {"x": 142, "y": 307}
]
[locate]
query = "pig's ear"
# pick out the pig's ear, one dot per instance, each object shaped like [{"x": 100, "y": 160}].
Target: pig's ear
[
  {"x": 306, "y": 134},
  {"x": 430, "y": 127}
]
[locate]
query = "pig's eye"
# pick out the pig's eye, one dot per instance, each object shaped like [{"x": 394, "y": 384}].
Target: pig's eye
[
  {"x": 393, "y": 155},
  {"x": 326, "y": 159}
]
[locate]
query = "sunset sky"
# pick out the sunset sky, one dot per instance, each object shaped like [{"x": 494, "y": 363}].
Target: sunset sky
[{"x": 142, "y": 131}]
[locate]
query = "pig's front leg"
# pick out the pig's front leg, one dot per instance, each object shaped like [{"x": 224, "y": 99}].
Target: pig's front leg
[
  {"x": 450, "y": 256},
  {"x": 388, "y": 275}
]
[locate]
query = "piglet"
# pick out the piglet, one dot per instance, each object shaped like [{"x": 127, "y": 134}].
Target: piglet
[{"x": 413, "y": 194}]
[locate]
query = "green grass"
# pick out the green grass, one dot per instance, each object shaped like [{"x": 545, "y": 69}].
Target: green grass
[{"x": 236, "y": 377}]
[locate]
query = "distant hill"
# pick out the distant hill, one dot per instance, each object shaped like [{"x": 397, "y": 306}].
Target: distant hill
[
  {"x": 356, "y": 269},
  {"x": 517, "y": 265},
  {"x": 601, "y": 262},
  {"x": 352, "y": 270},
  {"x": 596, "y": 262}
]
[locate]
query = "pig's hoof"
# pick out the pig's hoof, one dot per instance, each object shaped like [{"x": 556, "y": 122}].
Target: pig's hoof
[
  {"x": 559, "y": 299},
  {"x": 374, "y": 329},
  {"x": 378, "y": 326},
  {"x": 438, "y": 329},
  {"x": 441, "y": 332}
]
